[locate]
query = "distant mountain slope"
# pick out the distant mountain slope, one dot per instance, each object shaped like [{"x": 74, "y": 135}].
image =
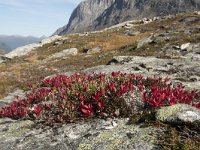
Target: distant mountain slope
[
  {"x": 4, "y": 47},
  {"x": 9, "y": 43},
  {"x": 2, "y": 52},
  {"x": 98, "y": 14}
]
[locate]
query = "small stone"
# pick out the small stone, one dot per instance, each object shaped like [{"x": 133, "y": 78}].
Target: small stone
[
  {"x": 197, "y": 12},
  {"x": 94, "y": 50},
  {"x": 142, "y": 65},
  {"x": 193, "y": 79},
  {"x": 72, "y": 135},
  {"x": 50, "y": 39},
  {"x": 144, "y": 41},
  {"x": 190, "y": 19},
  {"x": 176, "y": 47},
  {"x": 156, "y": 18},
  {"x": 64, "y": 53},
  {"x": 110, "y": 124},
  {"x": 70, "y": 51},
  {"x": 4, "y": 58},
  {"x": 58, "y": 43},
  {"x": 128, "y": 25},
  {"x": 130, "y": 33},
  {"x": 136, "y": 68},
  {"x": 184, "y": 46}
]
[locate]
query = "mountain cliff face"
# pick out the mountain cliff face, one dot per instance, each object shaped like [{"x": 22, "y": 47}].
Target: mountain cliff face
[
  {"x": 137, "y": 9},
  {"x": 92, "y": 15},
  {"x": 84, "y": 16}
]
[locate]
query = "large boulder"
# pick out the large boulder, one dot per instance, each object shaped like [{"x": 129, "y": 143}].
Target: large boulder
[
  {"x": 64, "y": 53},
  {"x": 179, "y": 114}
]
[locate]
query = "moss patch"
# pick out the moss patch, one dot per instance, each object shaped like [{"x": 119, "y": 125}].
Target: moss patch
[
  {"x": 120, "y": 137},
  {"x": 16, "y": 129},
  {"x": 164, "y": 113}
]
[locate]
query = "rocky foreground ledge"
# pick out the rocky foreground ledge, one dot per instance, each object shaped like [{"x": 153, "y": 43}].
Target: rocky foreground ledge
[{"x": 139, "y": 133}]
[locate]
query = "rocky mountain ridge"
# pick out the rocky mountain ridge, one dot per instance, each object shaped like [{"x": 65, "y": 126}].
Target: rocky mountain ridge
[
  {"x": 93, "y": 15},
  {"x": 84, "y": 15}
]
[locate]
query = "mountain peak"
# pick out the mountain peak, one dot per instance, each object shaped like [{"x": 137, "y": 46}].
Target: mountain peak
[{"x": 93, "y": 15}]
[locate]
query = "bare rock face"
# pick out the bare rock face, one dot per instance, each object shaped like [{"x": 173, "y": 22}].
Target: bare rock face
[
  {"x": 97, "y": 134},
  {"x": 84, "y": 15},
  {"x": 97, "y": 14}
]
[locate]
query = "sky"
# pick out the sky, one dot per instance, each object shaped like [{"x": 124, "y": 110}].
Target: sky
[{"x": 34, "y": 17}]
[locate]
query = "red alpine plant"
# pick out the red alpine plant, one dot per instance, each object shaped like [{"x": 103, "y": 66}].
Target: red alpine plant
[{"x": 65, "y": 98}]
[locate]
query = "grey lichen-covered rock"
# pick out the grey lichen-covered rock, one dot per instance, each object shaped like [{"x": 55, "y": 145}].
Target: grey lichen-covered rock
[
  {"x": 95, "y": 134},
  {"x": 189, "y": 19},
  {"x": 94, "y": 50},
  {"x": 185, "y": 46},
  {"x": 11, "y": 97},
  {"x": 144, "y": 41},
  {"x": 134, "y": 101},
  {"x": 13, "y": 132},
  {"x": 171, "y": 51},
  {"x": 150, "y": 66},
  {"x": 131, "y": 33},
  {"x": 179, "y": 114},
  {"x": 3, "y": 58},
  {"x": 122, "y": 137},
  {"x": 64, "y": 53}
]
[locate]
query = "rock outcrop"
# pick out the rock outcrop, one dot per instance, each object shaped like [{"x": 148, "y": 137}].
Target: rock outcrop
[
  {"x": 97, "y": 14},
  {"x": 10, "y": 42},
  {"x": 21, "y": 51},
  {"x": 3, "y": 58},
  {"x": 64, "y": 53},
  {"x": 179, "y": 114},
  {"x": 84, "y": 15}
]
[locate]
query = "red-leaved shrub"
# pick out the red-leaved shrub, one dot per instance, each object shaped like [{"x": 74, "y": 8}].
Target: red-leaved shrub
[{"x": 66, "y": 98}]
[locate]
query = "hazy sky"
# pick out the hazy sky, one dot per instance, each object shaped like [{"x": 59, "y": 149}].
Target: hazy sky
[{"x": 34, "y": 17}]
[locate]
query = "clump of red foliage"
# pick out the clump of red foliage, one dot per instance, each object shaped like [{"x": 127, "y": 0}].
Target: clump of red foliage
[{"x": 66, "y": 98}]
